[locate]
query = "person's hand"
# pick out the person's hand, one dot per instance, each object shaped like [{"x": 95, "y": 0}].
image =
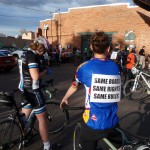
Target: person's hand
[
  {"x": 49, "y": 71},
  {"x": 64, "y": 103}
]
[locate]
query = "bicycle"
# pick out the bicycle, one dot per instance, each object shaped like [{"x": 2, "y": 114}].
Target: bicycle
[
  {"x": 135, "y": 88},
  {"x": 136, "y": 143},
  {"x": 128, "y": 140},
  {"x": 12, "y": 124}
]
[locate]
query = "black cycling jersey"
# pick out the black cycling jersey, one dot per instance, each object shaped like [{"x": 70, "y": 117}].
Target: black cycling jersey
[
  {"x": 120, "y": 57},
  {"x": 28, "y": 60},
  {"x": 29, "y": 87}
]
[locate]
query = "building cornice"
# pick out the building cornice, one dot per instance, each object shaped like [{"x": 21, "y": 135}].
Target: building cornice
[{"x": 93, "y": 6}]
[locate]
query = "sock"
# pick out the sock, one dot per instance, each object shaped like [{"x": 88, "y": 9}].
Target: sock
[{"x": 46, "y": 145}]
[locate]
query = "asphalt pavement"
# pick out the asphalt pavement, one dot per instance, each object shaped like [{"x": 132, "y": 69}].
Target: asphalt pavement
[{"x": 134, "y": 115}]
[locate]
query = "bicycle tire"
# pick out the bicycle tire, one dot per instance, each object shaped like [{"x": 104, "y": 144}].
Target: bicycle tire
[
  {"x": 57, "y": 118},
  {"x": 76, "y": 137},
  {"x": 133, "y": 95},
  {"x": 11, "y": 136}
]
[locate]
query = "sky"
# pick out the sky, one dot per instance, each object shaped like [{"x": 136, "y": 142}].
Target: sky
[{"x": 26, "y": 14}]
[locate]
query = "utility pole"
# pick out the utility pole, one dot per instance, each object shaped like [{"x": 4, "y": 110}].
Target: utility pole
[
  {"x": 51, "y": 28},
  {"x": 59, "y": 27}
]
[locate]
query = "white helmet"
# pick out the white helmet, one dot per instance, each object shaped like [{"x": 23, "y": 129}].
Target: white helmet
[
  {"x": 131, "y": 46},
  {"x": 134, "y": 70},
  {"x": 43, "y": 41}
]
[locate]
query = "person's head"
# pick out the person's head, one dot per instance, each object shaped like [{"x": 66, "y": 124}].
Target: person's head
[
  {"x": 132, "y": 48},
  {"x": 143, "y": 47},
  {"x": 100, "y": 43},
  {"x": 117, "y": 45},
  {"x": 40, "y": 45}
]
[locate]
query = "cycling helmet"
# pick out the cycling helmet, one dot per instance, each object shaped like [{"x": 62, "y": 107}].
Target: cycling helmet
[
  {"x": 134, "y": 70},
  {"x": 43, "y": 41},
  {"x": 132, "y": 46}
]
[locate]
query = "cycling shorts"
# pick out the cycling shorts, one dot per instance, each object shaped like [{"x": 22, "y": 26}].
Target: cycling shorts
[
  {"x": 36, "y": 100},
  {"x": 90, "y": 138}
]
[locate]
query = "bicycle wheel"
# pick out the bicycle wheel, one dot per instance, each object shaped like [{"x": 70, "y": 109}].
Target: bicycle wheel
[
  {"x": 76, "y": 137},
  {"x": 10, "y": 135},
  {"x": 57, "y": 118},
  {"x": 135, "y": 94}
]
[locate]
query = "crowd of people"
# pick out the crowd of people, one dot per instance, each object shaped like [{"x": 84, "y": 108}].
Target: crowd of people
[
  {"x": 98, "y": 74},
  {"x": 130, "y": 58}
]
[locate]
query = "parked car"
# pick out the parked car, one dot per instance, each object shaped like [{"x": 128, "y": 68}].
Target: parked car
[
  {"x": 6, "y": 52},
  {"x": 26, "y": 48},
  {"x": 17, "y": 53},
  {"x": 9, "y": 48},
  {"x": 7, "y": 62}
]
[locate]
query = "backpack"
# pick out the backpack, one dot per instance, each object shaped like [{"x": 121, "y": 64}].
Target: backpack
[{"x": 136, "y": 60}]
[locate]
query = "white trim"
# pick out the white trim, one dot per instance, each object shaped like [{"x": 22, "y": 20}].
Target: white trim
[{"x": 32, "y": 64}]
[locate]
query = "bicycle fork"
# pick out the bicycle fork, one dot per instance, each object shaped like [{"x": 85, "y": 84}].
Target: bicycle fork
[{"x": 135, "y": 85}]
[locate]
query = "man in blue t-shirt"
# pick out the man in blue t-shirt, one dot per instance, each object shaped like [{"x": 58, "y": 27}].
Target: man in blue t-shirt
[{"x": 101, "y": 78}]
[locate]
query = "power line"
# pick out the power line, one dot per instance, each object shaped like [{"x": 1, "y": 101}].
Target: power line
[{"x": 23, "y": 6}]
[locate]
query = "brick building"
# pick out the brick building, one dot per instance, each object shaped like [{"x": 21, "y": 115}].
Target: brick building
[
  {"x": 28, "y": 35},
  {"x": 124, "y": 23},
  {"x": 17, "y": 42}
]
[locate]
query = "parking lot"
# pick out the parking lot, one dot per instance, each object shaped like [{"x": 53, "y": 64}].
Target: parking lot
[{"x": 134, "y": 115}]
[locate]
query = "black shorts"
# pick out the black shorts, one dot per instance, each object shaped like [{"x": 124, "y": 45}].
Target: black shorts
[
  {"x": 36, "y": 100},
  {"x": 89, "y": 138}
]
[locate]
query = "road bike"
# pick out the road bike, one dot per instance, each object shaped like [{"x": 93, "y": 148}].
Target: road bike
[
  {"x": 136, "y": 88},
  {"x": 127, "y": 141},
  {"x": 13, "y": 135}
]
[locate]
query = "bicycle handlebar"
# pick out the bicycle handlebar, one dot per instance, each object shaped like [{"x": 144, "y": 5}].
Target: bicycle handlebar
[{"x": 67, "y": 107}]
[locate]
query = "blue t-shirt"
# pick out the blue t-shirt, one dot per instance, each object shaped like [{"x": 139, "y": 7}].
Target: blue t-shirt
[{"x": 101, "y": 79}]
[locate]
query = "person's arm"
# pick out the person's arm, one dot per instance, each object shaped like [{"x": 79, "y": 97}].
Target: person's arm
[
  {"x": 68, "y": 94},
  {"x": 34, "y": 72}
]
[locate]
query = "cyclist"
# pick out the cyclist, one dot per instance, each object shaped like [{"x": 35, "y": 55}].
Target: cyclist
[
  {"x": 118, "y": 56},
  {"x": 77, "y": 58},
  {"x": 101, "y": 78},
  {"x": 131, "y": 61},
  {"x": 31, "y": 73}
]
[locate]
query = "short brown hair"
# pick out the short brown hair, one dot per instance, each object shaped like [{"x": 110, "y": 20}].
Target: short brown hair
[{"x": 100, "y": 42}]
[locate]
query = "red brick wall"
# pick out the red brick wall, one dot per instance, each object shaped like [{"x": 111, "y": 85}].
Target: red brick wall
[{"x": 110, "y": 18}]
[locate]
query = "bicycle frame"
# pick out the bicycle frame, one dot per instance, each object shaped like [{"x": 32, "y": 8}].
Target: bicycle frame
[{"x": 142, "y": 75}]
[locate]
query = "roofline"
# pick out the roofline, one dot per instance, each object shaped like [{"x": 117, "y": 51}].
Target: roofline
[{"x": 93, "y": 6}]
